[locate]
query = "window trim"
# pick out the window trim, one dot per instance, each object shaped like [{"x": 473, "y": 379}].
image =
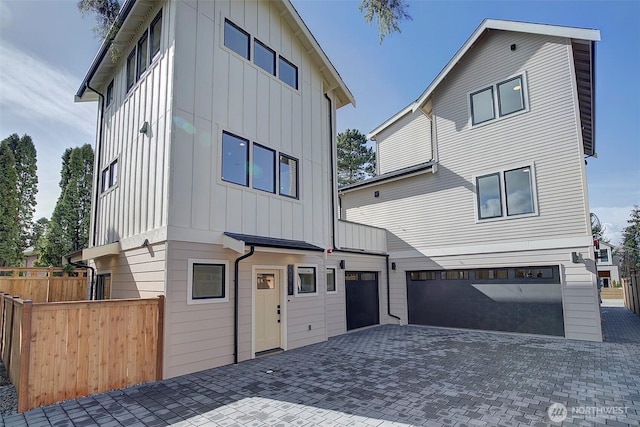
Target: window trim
[
  {"x": 212, "y": 300},
  {"x": 237, "y": 27},
  {"x": 503, "y": 194},
  {"x": 497, "y": 116},
  {"x": 335, "y": 279},
  {"x": 297, "y": 196},
  {"x": 297, "y": 282}
]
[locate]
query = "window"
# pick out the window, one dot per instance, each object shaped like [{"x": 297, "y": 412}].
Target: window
[
  {"x": 331, "y": 280},
  {"x": 307, "y": 280},
  {"x": 207, "y": 281},
  {"x": 143, "y": 53},
  {"x": 113, "y": 173},
  {"x": 454, "y": 275},
  {"x": 156, "y": 34},
  {"x": 604, "y": 255},
  {"x": 422, "y": 275},
  {"x": 492, "y": 274},
  {"x": 288, "y": 176},
  {"x": 507, "y": 97},
  {"x": 482, "y": 106},
  {"x": 131, "y": 69},
  {"x": 105, "y": 180},
  {"x": 511, "y": 191},
  {"x": 288, "y": 73},
  {"x": 535, "y": 273},
  {"x": 236, "y": 39},
  {"x": 264, "y": 57},
  {"x": 109, "y": 97},
  {"x": 235, "y": 159},
  {"x": 263, "y": 170}
]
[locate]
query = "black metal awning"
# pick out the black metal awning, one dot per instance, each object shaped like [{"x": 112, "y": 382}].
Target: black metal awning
[{"x": 271, "y": 242}]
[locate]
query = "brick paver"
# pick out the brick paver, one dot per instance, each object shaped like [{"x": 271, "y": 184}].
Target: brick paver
[
  {"x": 384, "y": 376},
  {"x": 619, "y": 325}
]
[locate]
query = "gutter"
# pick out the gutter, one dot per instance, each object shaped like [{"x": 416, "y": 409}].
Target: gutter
[
  {"x": 93, "y": 276},
  {"x": 98, "y": 162},
  {"x": 236, "y": 305}
]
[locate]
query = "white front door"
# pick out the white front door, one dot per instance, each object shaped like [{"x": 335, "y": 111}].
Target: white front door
[{"x": 267, "y": 314}]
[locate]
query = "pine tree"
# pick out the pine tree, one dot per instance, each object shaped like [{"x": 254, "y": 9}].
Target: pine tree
[
  {"x": 24, "y": 153},
  {"x": 106, "y": 12},
  {"x": 68, "y": 229},
  {"x": 387, "y": 12},
  {"x": 630, "y": 248},
  {"x": 9, "y": 229},
  {"x": 356, "y": 161}
]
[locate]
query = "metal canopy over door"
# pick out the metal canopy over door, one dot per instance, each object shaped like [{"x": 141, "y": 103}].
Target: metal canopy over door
[
  {"x": 267, "y": 310},
  {"x": 520, "y": 299},
  {"x": 362, "y": 299}
]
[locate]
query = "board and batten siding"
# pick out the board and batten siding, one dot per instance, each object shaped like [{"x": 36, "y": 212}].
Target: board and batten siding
[
  {"x": 137, "y": 203},
  {"x": 217, "y": 90},
  {"x": 438, "y": 210},
  {"x": 405, "y": 143},
  {"x": 580, "y": 297},
  {"x": 200, "y": 336},
  {"x": 136, "y": 273}
]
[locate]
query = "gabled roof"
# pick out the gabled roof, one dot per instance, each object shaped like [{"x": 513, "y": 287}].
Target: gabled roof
[
  {"x": 389, "y": 176},
  {"x": 584, "y": 71},
  {"x": 133, "y": 11}
]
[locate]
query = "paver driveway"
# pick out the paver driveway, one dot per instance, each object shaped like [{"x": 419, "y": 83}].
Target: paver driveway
[{"x": 386, "y": 375}]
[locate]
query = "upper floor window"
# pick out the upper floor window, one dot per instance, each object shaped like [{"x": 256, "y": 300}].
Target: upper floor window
[
  {"x": 506, "y": 97},
  {"x": 264, "y": 57},
  {"x": 235, "y": 159},
  {"x": 109, "y": 176},
  {"x": 145, "y": 51},
  {"x": 156, "y": 34},
  {"x": 288, "y": 73},
  {"x": 109, "y": 97},
  {"x": 288, "y": 176},
  {"x": 143, "y": 54},
  {"x": 263, "y": 168},
  {"x": 510, "y": 191},
  {"x": 131, "y": 69},
  {"x": 604, "y": 255},
  {"x": 236, "y": 39}
]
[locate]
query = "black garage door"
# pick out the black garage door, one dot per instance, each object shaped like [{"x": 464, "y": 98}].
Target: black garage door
[
  {"x": 362, "y": 299},
  {"x": 523, "y": 299}
]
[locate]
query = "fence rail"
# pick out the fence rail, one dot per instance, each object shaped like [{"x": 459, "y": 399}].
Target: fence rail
[
  {"x": 63, "y": 350},
  {"x": 631, "y": 287},
  {"x": 44, "y": 284}
]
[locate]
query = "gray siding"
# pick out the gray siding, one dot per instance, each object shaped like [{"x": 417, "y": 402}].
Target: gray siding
[{"x": 405, "y": 143}]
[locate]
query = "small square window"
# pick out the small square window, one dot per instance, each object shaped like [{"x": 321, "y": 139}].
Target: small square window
[
  {"x": 264, "y": 57},
  {"x": 510, "y": 96},
  {"x": 109, "y": 97},
  {"x": 519, "y": 191},
  {"x": 143, "y": 50},
  {"x": 263, "y": 169},
  {"x": 235, "y": 159},
  {"x": 482, "y": 106},
  {"x": 331, "y": 280},
  {"x": 131, "y": 69},
  {"x": 113, "y": 173},
  {"x": 307, "y": 280},
  {"x": 288, "y": 73},
  {"x": 208, "y": 281},
  {"x": 288, "y": 176},
  {"x": 489, "y": 196},
  {"x": 156, "y": 34},
  {"x": 236, "y": 39}
]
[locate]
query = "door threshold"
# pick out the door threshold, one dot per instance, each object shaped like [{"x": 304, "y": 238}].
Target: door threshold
[{"x": 269, "y": 352}]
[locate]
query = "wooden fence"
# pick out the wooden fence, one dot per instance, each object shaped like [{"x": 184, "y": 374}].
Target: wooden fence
[
  {"x": 631, "y": 287},
  {"x": 44, "y": 284},
  {"x": 63, "y": 350},
  {"x": 611, "y": 293}
]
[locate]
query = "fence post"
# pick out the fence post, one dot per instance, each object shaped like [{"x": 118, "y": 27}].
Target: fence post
[
  {"x": 160, "y": 349},
  {"x": 25, "y": 356},
  {"x": 50, "y": 275}
]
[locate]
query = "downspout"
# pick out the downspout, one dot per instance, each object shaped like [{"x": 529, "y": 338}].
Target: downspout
[
  {"x": 332, "y": 174},
  {"x": 389, "y": 292},
  {"x": 93, "y": 274},
  {"x": 236, "y": 304}
]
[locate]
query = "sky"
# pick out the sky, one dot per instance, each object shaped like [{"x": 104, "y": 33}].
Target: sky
[{"x": 46, "y": 47}]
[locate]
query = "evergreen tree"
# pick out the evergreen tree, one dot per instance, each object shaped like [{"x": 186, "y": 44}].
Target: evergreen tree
[
  {"x": 9, "y": 228},
  {"x": 38, "y": 231},
  {"x": 629, "y": 251},
  {"x": 387, "y": 12},
  {"x": 356, "y": 161},
  {"x": 68, "y": 229},
  {"x": 24, "y": 153},
  {"x": 106, "y": 12}
]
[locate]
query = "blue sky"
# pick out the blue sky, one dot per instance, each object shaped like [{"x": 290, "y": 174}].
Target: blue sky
[{"x": 46, "y": 48}]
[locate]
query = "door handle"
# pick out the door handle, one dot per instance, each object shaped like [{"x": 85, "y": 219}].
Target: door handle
[{"x": 278, "y": 312}]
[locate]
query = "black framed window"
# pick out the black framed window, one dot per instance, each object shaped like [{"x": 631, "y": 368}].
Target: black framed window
[
  {"x": 263, "y": 169},
  {"x": 489, "y": 196},
  {"x": 236, "y": 39},
  {"x": 113, "y": 173},
  {"x": 155, "y": 34},
  {"x": 208, "y": 281},
  {"x": 264, "y": 57},
  {"x": 510, "y": 96},
  {"x": 235, "y": 159},
  {"x": 519, "y": 191},
  {"x": 143, "y": 54},
  {"x": 109, "y": 97},
  {"x": 131, "y": 69},
  {"x": 482, "y": 106},
  {"x": 307, "y": 280},
  {"x": 288, "y": 176},
  {"x": 331, "y": 280},
  {"x": 604, "y": 255},
  {"x": 288, "y": 72},
  {"x": 104, "y": 177}
]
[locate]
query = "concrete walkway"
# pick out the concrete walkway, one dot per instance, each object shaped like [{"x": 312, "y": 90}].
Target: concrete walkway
[{"x": 389, "y": 375}]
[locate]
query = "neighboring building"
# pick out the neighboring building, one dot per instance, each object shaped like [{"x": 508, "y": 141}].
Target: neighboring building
[
  {"x": 215, "y": 163},
  {"x": 482, "y": 187},
  {"x": 30, "y": 256},
  {"x": 608, "y": 266}
]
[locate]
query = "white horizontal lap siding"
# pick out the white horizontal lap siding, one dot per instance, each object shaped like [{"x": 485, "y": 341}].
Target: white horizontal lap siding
[
  {"x": 216, "y": 91},
  {"x": 580, "y": 303},
  {"x": 405, "y": 143},
  {"x": 138, "y": 202}
]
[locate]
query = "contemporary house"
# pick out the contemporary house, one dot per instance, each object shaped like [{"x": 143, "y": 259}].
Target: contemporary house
[
  {"x": 482, "y": 187},
  {"x": 216, "y": 159},
  {"x": 608, "y": 265}
]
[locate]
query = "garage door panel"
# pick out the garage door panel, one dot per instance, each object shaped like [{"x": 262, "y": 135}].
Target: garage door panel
[{"x": 362, "y": 299}]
